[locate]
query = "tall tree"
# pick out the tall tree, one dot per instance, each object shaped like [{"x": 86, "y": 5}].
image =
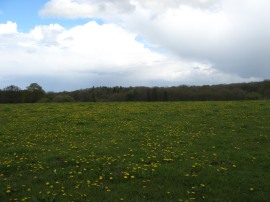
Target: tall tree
[
  {"x": 34, "y": 87},
  {"x": 34, "y": 93}
]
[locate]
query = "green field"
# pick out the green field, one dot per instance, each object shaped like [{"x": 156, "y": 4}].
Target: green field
[{"x": 171, "y": 151}]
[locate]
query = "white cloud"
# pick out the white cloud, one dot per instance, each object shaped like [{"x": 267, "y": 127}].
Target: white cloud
[
  {"x": 8, "y": 28},
  {"x": 143, "y": 42},
  {"x": 93, "y": 54}
]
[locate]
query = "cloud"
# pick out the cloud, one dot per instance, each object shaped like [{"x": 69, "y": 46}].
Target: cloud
[
  {"x": 85, "y": 8},
  {"x": 232, "y": 36},
  {"x": 107, "y": 8},
  {"x": 93, "y": 54},
  {"x": 142, "y": 42},
  {"x": 8, "y": 28}
]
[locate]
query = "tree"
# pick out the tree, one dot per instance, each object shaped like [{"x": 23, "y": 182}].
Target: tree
[
  {"x": 11, "y": 94},
  {"x": 34, "y": 87},
  {"x": 12, "y": 88},
  {"x": 34, "y": 93}
]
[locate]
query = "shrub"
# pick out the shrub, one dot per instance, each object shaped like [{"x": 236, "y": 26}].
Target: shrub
[
  {"x": 253, "y": 96},
  {"x": 63, "y": 98}
]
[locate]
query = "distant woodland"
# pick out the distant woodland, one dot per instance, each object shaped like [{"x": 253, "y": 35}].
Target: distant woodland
[{"x": 240, "y": 91}]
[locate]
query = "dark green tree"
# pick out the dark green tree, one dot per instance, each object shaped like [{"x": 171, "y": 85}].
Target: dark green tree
[
  {"x": 34, "y": 93},
  {"x": 11, "y": 94}
]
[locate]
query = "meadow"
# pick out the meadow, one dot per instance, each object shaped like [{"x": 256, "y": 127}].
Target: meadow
[{"x": 136, "y": 151}]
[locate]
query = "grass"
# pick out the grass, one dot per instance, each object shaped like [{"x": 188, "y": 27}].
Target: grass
[{"x": 173, "y": 151}]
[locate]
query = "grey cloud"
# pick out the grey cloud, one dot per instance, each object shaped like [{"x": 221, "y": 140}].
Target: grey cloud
[
  {"x": 86, "y": 8},
  {"x": 109, "y": 8},
  {"x": 122, "y": 5},
  {"x": 204, "y": 4},
  {"x": 242, "y": 48}
]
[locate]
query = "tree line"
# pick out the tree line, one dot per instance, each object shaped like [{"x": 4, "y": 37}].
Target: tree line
[{"x": 223, "y": 92}]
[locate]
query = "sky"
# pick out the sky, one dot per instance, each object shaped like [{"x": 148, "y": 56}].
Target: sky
[{"x": 77, "y": 44}]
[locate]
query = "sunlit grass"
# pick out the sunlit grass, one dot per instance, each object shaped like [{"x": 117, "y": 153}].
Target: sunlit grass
[{"x": 184, "y": 151}]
